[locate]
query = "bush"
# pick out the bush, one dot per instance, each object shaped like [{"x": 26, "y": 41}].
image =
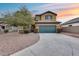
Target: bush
[
  {"x": 6, "y": 31},
  {"x": 23, "y": 31},
  {"x": 36, "y": 31},
  {"x": 26, "y": 31},
  {"x": 58, "y": 30}
]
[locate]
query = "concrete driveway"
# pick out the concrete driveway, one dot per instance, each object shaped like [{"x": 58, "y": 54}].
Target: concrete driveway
[{"x": 52, "y": 44}]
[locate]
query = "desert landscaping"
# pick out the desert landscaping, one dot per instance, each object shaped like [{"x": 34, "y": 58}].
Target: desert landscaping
[{"x": 13, "y": 42}]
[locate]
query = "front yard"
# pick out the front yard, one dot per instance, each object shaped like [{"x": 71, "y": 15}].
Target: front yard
[{"x": 13, "y": 42}]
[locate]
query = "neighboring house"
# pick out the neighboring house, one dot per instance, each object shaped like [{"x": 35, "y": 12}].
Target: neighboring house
[
  {"x": 71, "y": 26},
  {"x": 4, "y": 26},
  {"x": 46, "y": 22}
]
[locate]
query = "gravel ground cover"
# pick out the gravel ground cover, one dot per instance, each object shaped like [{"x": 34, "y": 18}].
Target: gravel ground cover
[{"x": 13, "y": 42}]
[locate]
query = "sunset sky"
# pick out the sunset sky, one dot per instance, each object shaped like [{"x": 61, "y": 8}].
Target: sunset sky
[{"x": 65, "y": 11}]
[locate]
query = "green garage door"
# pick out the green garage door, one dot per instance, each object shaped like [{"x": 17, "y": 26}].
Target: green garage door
[{"x": 47, "y": 29}]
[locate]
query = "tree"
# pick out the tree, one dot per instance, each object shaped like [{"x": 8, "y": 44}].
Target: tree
[{"x": 22, "y": 17}]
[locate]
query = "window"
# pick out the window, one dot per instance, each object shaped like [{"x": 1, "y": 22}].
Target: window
[{"x": 48, "y": 17}]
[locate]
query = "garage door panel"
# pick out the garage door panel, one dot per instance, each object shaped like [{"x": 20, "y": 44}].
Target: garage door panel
[{"x": 47, "y": 29}]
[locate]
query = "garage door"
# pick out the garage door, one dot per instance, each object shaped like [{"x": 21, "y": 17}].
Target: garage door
[{"x": 47, "y": 29}]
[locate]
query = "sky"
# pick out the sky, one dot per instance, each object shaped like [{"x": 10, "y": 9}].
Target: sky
[{"x": 64, "y": 11}]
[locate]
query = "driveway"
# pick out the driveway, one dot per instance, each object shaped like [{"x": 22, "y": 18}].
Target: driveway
[{"x": 52, "y": 44}]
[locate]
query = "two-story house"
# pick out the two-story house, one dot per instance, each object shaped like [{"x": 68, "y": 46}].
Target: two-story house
[{"x": 46, "y": 22}]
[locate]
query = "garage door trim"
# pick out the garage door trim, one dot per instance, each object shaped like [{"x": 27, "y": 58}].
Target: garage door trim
[{"x": 47, "y": 28}]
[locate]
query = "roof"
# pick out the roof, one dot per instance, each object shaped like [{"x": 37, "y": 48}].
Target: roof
[
  {"x": 75, "y": 20},
  {"x": 47, "y": 12}
]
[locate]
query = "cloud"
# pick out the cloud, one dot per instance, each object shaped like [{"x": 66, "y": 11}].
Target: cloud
[
  {"x": 64, "y": 10},
  {"x": 56, "y": 7}
]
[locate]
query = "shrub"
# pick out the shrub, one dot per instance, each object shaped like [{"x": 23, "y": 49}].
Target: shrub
[
  {"x": 26, "y": 31},
  {"x": 58, "y": 30},
  {"x": 36, "y": 31},
  {"x": 23, "y": 31},
  {"x": 6, "y": 31}
]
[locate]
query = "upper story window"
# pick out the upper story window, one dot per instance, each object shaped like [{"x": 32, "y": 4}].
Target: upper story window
[{"x": 48, "y": 17}]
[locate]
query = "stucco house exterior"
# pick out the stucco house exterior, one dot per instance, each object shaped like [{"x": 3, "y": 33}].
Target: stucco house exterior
[
  {"x": 46, "y": 22},
  {"x": 71, "y": 26}
]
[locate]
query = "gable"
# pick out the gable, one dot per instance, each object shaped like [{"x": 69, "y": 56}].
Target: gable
[
  {"x": 45, "y": 15},
  {"x": 48, "y": 14}
]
